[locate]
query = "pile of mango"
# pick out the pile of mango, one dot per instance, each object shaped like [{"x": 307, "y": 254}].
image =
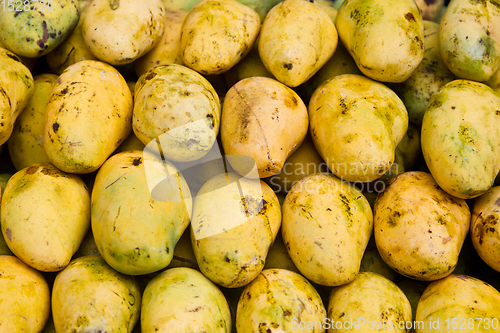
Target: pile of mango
[{"x": 249, "y": 166}]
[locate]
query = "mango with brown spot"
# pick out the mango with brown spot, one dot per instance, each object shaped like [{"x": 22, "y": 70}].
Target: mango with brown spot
[
  {"x": 419, "y": 228},
  {"x": 356, "y": 124},
  {"x": 297, "y": 39},
  {"x": 370, "y": 298},
  {"x": 16, "y": 88},
  {"x": 385, "y": 38},
  {"x": 90, "y": 296},
  {"x": 216, "y": 35},
  {"x": 460, "y": 137},
  {"x": 88, "y": 115},
  {"x": 45, "y": 214},
  {"x": 141, "y": 205},
  {"x": 119, "y": 31},
  {"x": 462, "y": 297},
  {"x": 326, "y": 227},
  {"x": 183, "y": 300},
  {"x": 34, "y": 28},
  {"x": 176, "y": 111},
  {"x": 235, "y": 222},
  {"x": 279, "y": 300},
  {"x": 485, "y": 227},
  {"x": 469, "y": 38},
  {"x": 264, "y": 122}
]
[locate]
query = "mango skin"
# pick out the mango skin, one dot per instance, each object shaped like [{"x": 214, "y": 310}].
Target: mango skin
[
  {"x": 371, "y": 297},
  {"x": 26, "y": 141},
  {"x": 216, "y": 35},
  {"x": 231, "y": 234},
  {"x": 88, "y": 92},
  {"x": 297, "y": 38},
  {"x": 419, "y": 228},
  {"x": 263, "y": 119},
  {"x": 135, "y": 233},
  {"x": 459, "y": 296},
  {"x": 16, "y": 88},
  {"x": 45, "y": 214},
  {"x": 183, "y": 300},
  {"x": 356, "y": 124},
  {"x": 385, "y": 38},
  {"x": 119, "y": 32},
  {"x": 272, "y": 301},
  {"x": 326, "y": 227},
  {"x": 460, "y": 137},
  {"x": 469, "y": 38},
  {"x": 484, "y": 228},
  {"x": 180, "y": 109},
  {"x": 25, "y": 297},
  {"x": 89, "y": 296},
  {"x": 35, "y": 32}
]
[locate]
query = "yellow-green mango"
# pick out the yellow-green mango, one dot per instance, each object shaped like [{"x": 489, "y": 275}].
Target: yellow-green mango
[
  {"x": 419, "y": 228},
  {"x": 469, "y": 38},
  {"x": 297, "y": 38},
  {"x": 356, "y": 124},
  {"x": 45, "y": 214},
  {"x": 371, "y": 303},
  {"x": 32, "y": 29},
  {"x": 120, "y": 31},
  {"x": 16, "y": 88},
  {"x": 183, "y": 300},
  {"x": 326, "y": 227},
  {"x": 385, "y": 38},
  {"x": 280, "y": 301},
  {"x": 264, "y": 120},
  {"x": 460, "y": 137},
  {"x": 168, "y": 49},
  {"x": 217, "y": 34},
  {"x": 262, "y": 7},
  {"x": 24, "y": 297},
  {"x": 235, "y": 222},
  {"x": 485, "y": 227},
  {"x": 429, "y": 76},
  {"x": 26, "y": 141},
  {"x": 136, "y": 225},
  {"x": 72, "y": 49},
  {"x": 90, "y": 296},
  {"x": 178, "y": 109},
  {"x": 88, "y": 115},
  {"x": 456, "y": 302}
]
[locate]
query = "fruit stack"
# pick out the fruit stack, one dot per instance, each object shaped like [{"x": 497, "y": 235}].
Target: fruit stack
[{"x": 249, "y": 166}]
